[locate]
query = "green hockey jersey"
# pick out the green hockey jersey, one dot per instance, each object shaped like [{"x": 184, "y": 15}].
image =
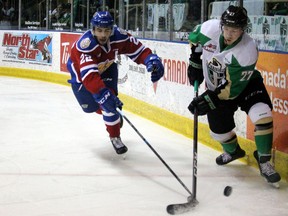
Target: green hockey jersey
[{"x": 227, "y": 68}]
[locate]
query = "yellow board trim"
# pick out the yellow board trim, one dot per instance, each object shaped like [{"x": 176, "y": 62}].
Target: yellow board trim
[
  {"x": 36, "y": 74},
  {"x": 172, "y": 121}
]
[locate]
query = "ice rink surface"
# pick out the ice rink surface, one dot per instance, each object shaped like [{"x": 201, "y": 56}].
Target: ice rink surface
[{"x": 56, "y": 160}]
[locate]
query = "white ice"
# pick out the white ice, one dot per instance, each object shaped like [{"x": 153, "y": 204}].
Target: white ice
[{"x": 56, "y": 160}]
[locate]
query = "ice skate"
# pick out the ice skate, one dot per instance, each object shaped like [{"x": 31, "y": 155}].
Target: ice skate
[
  {"x": 226, "y": 158},
  {"x": 267, "y": 170},
  {"x": 118, "y": 145}
]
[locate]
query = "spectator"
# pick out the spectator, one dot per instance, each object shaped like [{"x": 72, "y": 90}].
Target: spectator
[
  {"x": 7, "y": 15},
  {"x": 57, "y": 13},
  {"x": 280, "y": 8},
  {"x": 66, "y": 16}
]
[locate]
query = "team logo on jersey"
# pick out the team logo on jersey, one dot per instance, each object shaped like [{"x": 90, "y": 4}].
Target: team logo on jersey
[
  {"x": 216, "y": 71},
  {"x": 104, "y": 65},
  {"x": 85, "y": 43},
  {"x": 210, "y": 48}
]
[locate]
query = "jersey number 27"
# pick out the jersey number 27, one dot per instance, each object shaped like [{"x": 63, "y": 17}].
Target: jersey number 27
[{"x": 246, "y": 75}]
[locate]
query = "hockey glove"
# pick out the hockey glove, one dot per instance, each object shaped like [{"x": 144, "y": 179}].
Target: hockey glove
[
  {"x": 154, "y": 65},
  {"x": 204, "y": 103},
  {"x": 195, "y": 71},
  {"x": 108, "y": 101}
]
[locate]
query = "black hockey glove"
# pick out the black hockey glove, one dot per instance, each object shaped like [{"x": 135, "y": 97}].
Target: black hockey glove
[
  {"x": 204, "y": 103},
  {"x": 195, "y": 71}
]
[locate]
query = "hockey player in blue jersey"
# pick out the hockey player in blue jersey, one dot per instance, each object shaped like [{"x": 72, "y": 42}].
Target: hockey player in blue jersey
[{"x": 94, "y": 73}]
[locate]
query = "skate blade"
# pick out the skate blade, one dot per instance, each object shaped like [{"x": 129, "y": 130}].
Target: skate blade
[
  {"x": 275, "y": 184},
  {"x": 123, "y": 156}
]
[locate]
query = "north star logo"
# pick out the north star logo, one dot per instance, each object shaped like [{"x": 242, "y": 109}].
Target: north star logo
[
  {"x": 23, "y": 42},
  {"x": 210, "y": 48}
]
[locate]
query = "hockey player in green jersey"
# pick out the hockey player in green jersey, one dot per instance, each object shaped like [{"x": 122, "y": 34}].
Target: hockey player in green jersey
[{"x": 225, "y": 56}]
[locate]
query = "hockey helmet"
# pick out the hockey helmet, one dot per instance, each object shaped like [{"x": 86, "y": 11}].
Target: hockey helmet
[
  {"x": 234, "y": 16},
  {"x": 102, "y": 19}
]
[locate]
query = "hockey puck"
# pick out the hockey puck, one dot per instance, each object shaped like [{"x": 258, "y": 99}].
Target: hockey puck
[{"x": 227, "y": 191}]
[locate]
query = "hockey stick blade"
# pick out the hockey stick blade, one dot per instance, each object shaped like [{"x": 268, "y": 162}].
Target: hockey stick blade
[{"x": 181, "y": 208}]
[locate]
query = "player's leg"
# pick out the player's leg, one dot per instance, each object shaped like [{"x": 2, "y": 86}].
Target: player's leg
[
  {"x": 258, "y": 106},
  {"x": 113, "y": 121},
  {"x": 231, "y": 148},
  {"x": 261, "y": 116},
  {"x": 221, "y": 123},
  {"x": 111, "y": 81},
  {"x": 85, "y": 98}
]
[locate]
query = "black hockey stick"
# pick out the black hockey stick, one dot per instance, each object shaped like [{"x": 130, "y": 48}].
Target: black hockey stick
[
  {"x": 180, "y": 208},
  {"x": 155, "y": 152}
]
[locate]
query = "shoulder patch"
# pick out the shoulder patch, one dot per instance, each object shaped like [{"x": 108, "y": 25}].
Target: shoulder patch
[{"x": 85, "y": 43}]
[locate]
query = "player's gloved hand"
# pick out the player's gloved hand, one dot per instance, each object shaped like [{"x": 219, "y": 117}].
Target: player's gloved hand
[
  {"x": 194, "y": 70},
  {"x": 204, "y": 103},
  {"x": 154, "y": 65},
  {"x": 108, "y": 101}
]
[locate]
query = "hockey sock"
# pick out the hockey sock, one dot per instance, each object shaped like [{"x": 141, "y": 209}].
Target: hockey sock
[
  {"x": 113, "y": 130},
  {"x": 230, "y": 146},
  {"x": 264, "y": 143},
  {"x": 264, "y": 138},
  {"x": 112, "y": 122}
]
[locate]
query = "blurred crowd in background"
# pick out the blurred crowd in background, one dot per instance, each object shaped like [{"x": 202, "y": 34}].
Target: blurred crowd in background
[{"x": 157, "y": 19}]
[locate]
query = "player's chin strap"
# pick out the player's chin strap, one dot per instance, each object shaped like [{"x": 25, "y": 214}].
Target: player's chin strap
[{"x": 155, "y": 152}]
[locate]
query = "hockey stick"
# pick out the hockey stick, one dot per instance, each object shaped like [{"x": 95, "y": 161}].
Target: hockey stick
[
  {"x": 192, "y": 201},
  {"x": 155, "y": 152}
]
